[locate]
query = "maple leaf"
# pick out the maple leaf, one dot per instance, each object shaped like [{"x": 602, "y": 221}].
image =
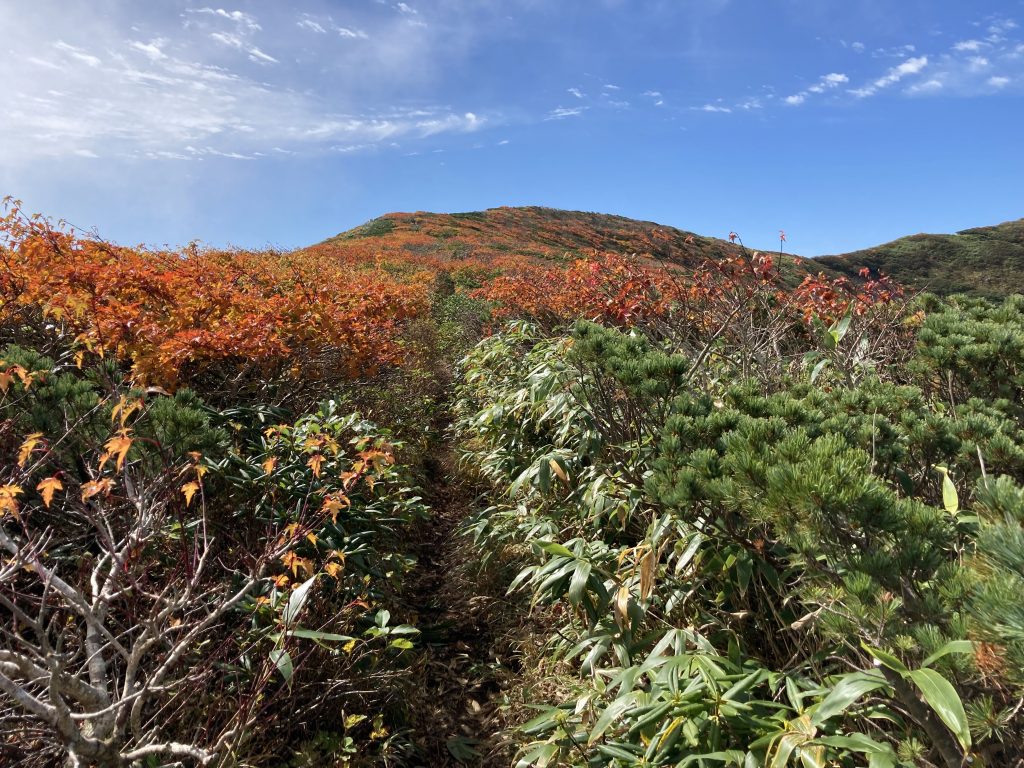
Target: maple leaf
[
  {"x": 47, "y": 487},
  {"x": 96, "y": 487},
  {"x": 31, "y": 441},
  {"x": 314, "y": 463},
  {"x": 333, "y": 569},
  {"x": 8, "y": 500},
  {"x": 334, "y": 504},
  {"x": 269, "y": 465},
  {"x": 124, "y": 409},
  {"x": 118, "y": 446},
  {"x": 189, "y": 490},
  {"x": 293, "y": 562}
]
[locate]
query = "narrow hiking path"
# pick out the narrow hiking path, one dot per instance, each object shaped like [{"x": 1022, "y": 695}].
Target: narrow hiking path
[{"x": 467, "y": 656}]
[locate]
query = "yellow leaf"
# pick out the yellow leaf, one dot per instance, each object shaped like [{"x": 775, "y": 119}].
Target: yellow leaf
[
  {"x": 31, "y": 441},
  {"x": 269, "y": 465},
  {"x": 47, "y": 487},
  {"x": 189, "y": 490},
  {"x": 118, "y": 446},
  {"x": 8, "y": 500},
  {"x": 333, "y": 569},
  {"x": 349, "y": 646},
  {"x": 557, "y": 469},
  {"x": 124, "y": 409},
  {"x": 311, "y": 538}
]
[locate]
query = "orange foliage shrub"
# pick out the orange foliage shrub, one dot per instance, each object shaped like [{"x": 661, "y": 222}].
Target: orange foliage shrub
[{"x": 172, "y": 314}]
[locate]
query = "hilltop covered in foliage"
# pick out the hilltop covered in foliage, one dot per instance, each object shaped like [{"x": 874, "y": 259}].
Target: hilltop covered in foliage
[
  {"x": 985, "y": 261},
  {"x": 506, "y": 236},
  {"x": 715, "y": 509}
]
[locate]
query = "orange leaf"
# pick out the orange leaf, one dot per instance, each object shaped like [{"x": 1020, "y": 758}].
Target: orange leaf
[
  {"x": 314, "y": 463},
  {"x": 118, "y": 446},
  {"x": 269, "y": 465},
  {"x": 47, "y": 487},
  {"x": 96, "y": 487}
]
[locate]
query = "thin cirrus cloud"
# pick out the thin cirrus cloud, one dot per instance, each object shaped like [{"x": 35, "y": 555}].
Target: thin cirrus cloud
[
  {"x": 825, "y": 83},
  {"x": 983, "y": 64},
  {"x": 902, "y": 70},
  {"x": 211, "y": 84}
]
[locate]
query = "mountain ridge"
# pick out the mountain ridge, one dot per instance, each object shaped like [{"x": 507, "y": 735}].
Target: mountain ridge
[{"x": 983, "y": 261}]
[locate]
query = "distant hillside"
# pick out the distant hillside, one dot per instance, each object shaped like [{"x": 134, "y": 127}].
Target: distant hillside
[
  {"x": 530, "y": 232},
  {"x": 986, "y": 261}
]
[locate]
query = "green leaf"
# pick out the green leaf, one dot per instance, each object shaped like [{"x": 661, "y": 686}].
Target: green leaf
[
  {"x": 845, "y": 693},
  {"x": 312, "y": 634},
  {"x": 538, "y": 757},
  {"x": 609, "y": 715},
  {"x": 578, "y": 583},
  {"x": 953, "y": 646},
  {"x": 838, "y": 330},
  {"x": 942, "y": 697},
  {"x": 950, "y": 500},
  {"x": 554, "y": 548},
  {"x": 879, "y": 755},
  {"x": 382, "y": 618},
  {"x": 283, "y": 661},
  {"x": 296, "y": 601},
  {"x": 887, "y": 659},
  {"x": 818, "y": 369},
  {"x": 785, "y": 748}
]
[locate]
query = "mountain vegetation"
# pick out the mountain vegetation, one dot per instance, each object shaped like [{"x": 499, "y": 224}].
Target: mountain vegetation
[
  {"x": 518, "y": 488},
  {"x": 986, "y": 261}
]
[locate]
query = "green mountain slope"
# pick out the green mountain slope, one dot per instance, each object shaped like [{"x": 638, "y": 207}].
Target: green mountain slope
[{"x": 985, "y": 261}]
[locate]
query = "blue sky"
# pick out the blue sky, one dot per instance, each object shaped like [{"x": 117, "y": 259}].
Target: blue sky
[{"x": 257, "y": 122}]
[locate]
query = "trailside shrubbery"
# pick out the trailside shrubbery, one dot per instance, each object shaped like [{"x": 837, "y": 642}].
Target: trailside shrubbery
[
  {"x": 766, "y": 562},
  {"x": 172, "y": 580}
]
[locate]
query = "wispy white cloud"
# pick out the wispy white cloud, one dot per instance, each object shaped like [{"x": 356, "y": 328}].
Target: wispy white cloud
[
  {"x": 893, "y": 76},
  {"x": 895, "y": 52},
  {"x": 151, "y": 49},
  {"x": 560, "y": 113},
  {"x": 575, "y": 92},
  {"x": 969, "y": 45},
  {"x": 714, "y": 108},
  {"x": 999, "y": 81},
  {"x": 825, "y": 83},
  {"x": 77, "y": 54},
  {"x": 313, "y": 26},
  {"x": 103, "y": 85},
  {"x": 240, "y": 18}
]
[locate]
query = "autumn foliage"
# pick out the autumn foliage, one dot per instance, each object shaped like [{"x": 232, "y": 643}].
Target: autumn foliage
[{"x": 175, "y": 314}]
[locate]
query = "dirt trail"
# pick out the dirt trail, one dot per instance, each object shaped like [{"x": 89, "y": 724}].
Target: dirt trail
[{"x": 463, "y": 620}]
